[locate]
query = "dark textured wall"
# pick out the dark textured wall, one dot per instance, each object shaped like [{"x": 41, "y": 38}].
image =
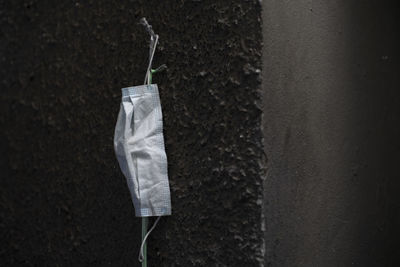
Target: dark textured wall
[
  {"x": 331, "y": 81},
  {"x": 63, "y": 199}
]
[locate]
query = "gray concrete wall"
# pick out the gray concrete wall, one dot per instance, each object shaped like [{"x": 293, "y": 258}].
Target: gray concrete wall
[{"x": 331, "y": 124}]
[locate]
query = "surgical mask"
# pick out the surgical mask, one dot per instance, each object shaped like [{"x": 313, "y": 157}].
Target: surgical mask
[{"x": 139, "y": 146}]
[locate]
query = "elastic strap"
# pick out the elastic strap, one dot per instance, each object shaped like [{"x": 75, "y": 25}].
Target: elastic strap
[
  {"x": 152, "y": 51},
  {"x": 145, "y": 238}
]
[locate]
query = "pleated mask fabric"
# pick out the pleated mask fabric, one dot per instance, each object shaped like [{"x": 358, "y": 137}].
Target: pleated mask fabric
[{"x": 140, "y": 150}]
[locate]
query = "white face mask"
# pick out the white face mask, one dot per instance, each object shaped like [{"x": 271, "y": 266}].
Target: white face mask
[{"x": 139, "y": 146}]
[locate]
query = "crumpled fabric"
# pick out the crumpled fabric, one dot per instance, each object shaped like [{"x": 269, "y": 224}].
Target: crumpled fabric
[{"x": 139, "y": 147}]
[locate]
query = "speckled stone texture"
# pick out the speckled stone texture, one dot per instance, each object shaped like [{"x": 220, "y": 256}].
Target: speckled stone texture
[{"x": 63, "y": 199}]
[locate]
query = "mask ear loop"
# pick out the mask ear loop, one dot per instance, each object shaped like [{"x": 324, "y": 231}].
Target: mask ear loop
[
  {"x": 153, "y": 45},
  {"x": 145, "y": 238},
  {"x": 148, "y": 79}
]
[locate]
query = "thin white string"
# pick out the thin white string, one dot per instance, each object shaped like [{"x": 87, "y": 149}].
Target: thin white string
[
  {"x": 147, "y": 77},
  {"x": 145, "y": 237}
]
